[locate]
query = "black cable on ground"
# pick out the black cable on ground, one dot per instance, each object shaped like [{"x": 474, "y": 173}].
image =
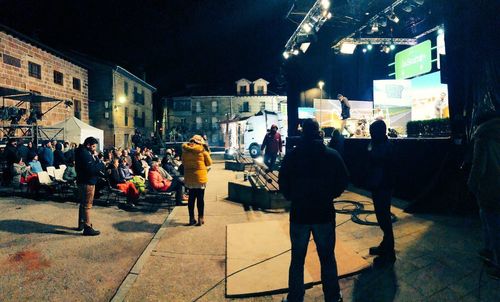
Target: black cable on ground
[
  {"x": 356, "y": 218},
  {"x": 252, "y": 265},
  {"x": 357, "y": 212}
]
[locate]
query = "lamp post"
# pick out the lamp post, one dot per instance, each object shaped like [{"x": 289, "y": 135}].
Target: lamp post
[{"x": 320, "y": 85}]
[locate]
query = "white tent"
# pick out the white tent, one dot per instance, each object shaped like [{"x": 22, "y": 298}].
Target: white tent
[{"x": 77, "y": 131}]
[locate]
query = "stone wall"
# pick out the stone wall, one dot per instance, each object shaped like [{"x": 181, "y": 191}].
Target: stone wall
[{"x": 17, "y": 77}]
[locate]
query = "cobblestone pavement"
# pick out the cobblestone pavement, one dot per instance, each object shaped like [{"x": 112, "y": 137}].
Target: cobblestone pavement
[{"x": 437, "y": 258}]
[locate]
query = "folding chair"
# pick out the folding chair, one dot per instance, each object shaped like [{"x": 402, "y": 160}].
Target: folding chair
[
  {"x": 62, "y": 167},
  {"x": 50, "y": 171},
  {"x": 112, "y": 192}
]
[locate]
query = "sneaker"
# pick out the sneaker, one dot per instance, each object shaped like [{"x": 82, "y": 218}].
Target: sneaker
[
  {"x": 486, "y": 255},
  {"x": 89, "y": 231}
]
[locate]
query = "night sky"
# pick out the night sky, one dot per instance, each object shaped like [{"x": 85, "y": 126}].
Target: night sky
[{"x": 180, "y": 42}]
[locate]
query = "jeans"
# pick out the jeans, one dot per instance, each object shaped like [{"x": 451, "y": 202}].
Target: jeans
[
  {"x": 199, "y": 196},
  {"x": 324, "y": 237},
  {"x": 270, "y": 160},
  {"x": 491, "y": 233},
  {"x": 382, "y": 203}
]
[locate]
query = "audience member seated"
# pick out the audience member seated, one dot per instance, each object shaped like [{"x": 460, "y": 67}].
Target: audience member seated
[
  {"x": 127, "y": 158},
  {"x": 46, "y": 156},
  {"x": 59, "y": 156},
  {"x": 19, "y": 172},
  {"x": 121, "y": 184},
  {"x": 124, "y": 170},
  {"x": 69, "y": 174},
  {"x": 161, "y": 184},
  {"x": 36, "y": 166},
  {"x": 137, "y": 166}
]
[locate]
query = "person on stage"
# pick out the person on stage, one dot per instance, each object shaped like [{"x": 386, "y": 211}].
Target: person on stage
[{"x": 346, "y": 112}]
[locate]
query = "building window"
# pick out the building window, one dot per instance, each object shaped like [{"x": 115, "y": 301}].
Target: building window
[
  {"x": 12, "y": 61},
  {"x": 245, "y": 107},
  {"x": 106, "y": 104},
  {"x": 126, "y": 116},
  {"x": 125, "y": 88},
  {"x": 77, "y": 105},
  {"x": 242, "y": 89},
  {"x": 125, "y": 140},
  {"x": 77, "y": 85},
  {"x": 106, "y": 114},
  {"x": 136, "y": 113},
  {"x": 215, "y": 123},
  {"x": 58, "y": 77},
  {"x": 143, "y": 119},
  {"x": 262, "y": 106},
  {"x": 34, "y": 70},
  {"x": 199, "y": 123},
  {"x": 215, "y": 106},
  {"x": 260, "y": 89},
  {"x": 198, "y": 106},
  {"x": 182, "y": 105}
]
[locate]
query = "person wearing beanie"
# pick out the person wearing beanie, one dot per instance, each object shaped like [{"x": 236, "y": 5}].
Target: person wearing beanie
[
  {"x": 380, "y": 181},
  {"x": 311, "y": 176},
  {"x": 196, "y": 161},
  {"x": 273, "y": 145},
  {"x": 59, "y": 156}
]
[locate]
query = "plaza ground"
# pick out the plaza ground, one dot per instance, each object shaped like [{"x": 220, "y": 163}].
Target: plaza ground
[{"x": 150, "y": 255}]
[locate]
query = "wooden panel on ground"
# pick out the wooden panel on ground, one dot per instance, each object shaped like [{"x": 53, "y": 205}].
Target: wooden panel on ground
[{"x": 250, "y": 243}]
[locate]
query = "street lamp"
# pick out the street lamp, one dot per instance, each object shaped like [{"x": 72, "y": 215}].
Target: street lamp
[{"x": 320, "y": 85}]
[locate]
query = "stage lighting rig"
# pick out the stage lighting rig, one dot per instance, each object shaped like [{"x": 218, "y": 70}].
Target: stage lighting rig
[
  {"x": 307, "y": 28},
  {"x": 348, "y": 45}
]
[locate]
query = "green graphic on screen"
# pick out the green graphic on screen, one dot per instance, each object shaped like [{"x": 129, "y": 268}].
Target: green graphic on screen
[{"x": 414, "y": 61}]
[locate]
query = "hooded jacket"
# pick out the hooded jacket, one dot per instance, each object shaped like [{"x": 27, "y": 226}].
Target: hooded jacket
[
  {"x": 311, "y": 176},
  {"x": 484, "y": 178},
  {"x": 196, "y": 161}
]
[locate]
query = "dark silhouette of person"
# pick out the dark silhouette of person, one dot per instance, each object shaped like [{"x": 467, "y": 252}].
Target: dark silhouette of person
[
  {"x": 380, "y": 182},
  {"x": 337, "y": 142},
  {"x": 311, "y": 176},
  {"x": 484, "y": 183}
]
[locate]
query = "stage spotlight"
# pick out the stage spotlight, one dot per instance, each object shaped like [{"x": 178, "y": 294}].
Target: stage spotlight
[
  {"x": 375, "y": 27},
  {"x": 364, "y": 50},
  {"x": 304, "y": 46},
  {"x": 329, "y": 15},
  {"x": 382, "y": 21},
  {"x": 392, "y": 47},
  {"x": 407, "y": 8},
  {"x": 369, "y": 47},
  {"x": 286, "y": 55},
  {"x": 419, "y": 2},
  {"x": 347, "y": 48},
  {"x": 325, "y": 4},
  {"x": 387, "y": 49},
  {"x": 295, "y": 52},
  {"x": 307, "y": 27},
  {"x": 440, "y": 31},
  {"x": 393, "y": 17}
]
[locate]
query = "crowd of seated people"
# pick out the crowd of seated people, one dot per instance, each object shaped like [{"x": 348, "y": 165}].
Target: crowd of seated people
[{"x": 128, "y": 170}]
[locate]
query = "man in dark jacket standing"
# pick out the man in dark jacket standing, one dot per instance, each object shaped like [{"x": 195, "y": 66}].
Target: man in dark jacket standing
[
  {"x": 88, "y": 168},
  {"x": 273, "y": 145},
  {"x": 11, "y": 156},
  {"x": 46, "y": 155},
  {"x": 311, "y": 176},
  {"x": 380, "y": 182}
]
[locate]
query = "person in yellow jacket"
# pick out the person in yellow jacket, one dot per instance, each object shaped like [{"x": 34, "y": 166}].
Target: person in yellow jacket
[{"x": 196, "y": 160}]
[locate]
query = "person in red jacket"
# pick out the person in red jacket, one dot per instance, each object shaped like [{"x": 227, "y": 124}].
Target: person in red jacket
[
  {"x": 161, "y": 184},
  {"x": 273, "y": 145}
]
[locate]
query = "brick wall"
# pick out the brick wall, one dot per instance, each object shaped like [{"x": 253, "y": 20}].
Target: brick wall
[{"x": 18, "y": 78}]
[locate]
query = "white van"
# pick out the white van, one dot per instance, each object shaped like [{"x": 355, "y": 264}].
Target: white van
[{"x": 257, "y": 127}]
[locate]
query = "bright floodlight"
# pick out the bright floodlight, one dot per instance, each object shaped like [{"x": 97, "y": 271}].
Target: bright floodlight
[
  {"x": 296, "y": 52},
  {"x": 122, "y": 99},
  {"x": 392, "y": 46},
  {"x": 286, "y": 55},
  {"x": 321, "y": 84},
  {"x": 304, "y": 46},
  {"x": 307, "y": 27},
  {"x": 440, "y": 31},
  {"x": 393, "y": 18},
  {"x": 375, "y": 27},
  {"x": 329, "y": 15},
  {"x": 325, "y": 4},
  {"x": 369, "y": 47},
  {"x": 347, "y": 48},
  {"x": 364, "y": 50}
]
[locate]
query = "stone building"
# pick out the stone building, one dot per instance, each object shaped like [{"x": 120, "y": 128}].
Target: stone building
[
  {"x": 121, "y": 102},
  {"x": 198, "y": 112},
  {"x": 35, "y": 77}
]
